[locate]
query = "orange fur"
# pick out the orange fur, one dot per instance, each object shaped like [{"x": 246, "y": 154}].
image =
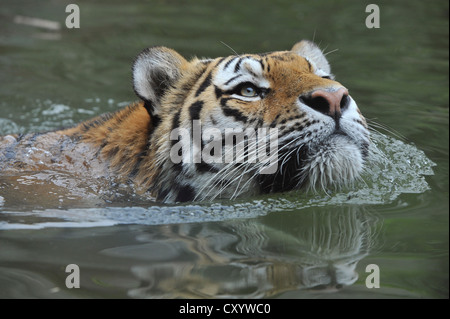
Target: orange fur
[{"x": 126, "y": 144}]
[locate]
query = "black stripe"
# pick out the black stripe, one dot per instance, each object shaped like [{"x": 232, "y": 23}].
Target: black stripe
[
  {"x": 280, "y": 57},
  {"x": 204, "y": 85},
  {"x": 155, "y": 120},
  {"x": 232, "y": 79},
  {"x": 229, "y": 62},
  {"x": 237, "y": 67},
  {"x": 297, "y": 117},
  {"x": 274, "y": 122},
  {"x": 178, "y": 167},
  {"x": 220, "y": 61},
  {"x": 195, "y": 109},
  {"x": 161, "y": 195},
  {"x": 238, "y": 116},
  {"x": 227, "y": 111},
  {"x": 149, "y": 107},
  {"x": 224, "y": 101},
  {"x": 112, "y": 152},
  {"x": 105, "y": 142},
  {"x": 252, "y": 73},
  {"x": 309, "y": 65},
  {"x": 175, "y": 124},
  {"x": 218, "y": 92},
  {"x": 176, "y": 120},
  {"x": 364, "y": 150},
  {"x": 100, "y": 120},
  {"x": 205, "y": 168},
  {"x": 259, "y": 122},
  {"x": 287, "y": 177},
  {"x": 185, "y": 194},
  {"x": 296, "y": 128},
  {"x": 262, "y": 64}
]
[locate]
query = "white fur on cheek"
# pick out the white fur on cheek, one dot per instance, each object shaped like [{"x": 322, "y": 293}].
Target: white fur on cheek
[{"x": 337, "y": 162}]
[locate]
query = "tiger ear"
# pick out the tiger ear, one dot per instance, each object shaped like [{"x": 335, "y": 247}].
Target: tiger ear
[
  {"x": 154, "y": 71},
  {"x": 312, "y": 52}
]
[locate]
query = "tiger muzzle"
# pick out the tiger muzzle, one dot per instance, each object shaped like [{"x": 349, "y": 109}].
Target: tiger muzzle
[{"x": 331, "y": 103}]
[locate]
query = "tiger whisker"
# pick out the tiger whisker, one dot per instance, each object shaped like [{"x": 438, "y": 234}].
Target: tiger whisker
[{"x": 229, "y": 47}]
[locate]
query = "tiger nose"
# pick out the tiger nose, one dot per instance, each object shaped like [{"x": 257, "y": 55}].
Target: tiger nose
[{"x": 331, "y": 103}]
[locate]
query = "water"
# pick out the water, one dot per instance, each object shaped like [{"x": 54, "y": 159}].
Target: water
[{"x": 278, "y": 246}]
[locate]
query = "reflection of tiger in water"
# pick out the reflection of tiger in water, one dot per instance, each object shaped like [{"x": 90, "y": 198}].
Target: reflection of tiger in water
[
  {"x": 322, "y": 137},
  {"x": 317, "y": 251}
]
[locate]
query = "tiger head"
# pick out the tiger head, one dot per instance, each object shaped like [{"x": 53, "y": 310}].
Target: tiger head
[{"x": 321, "y": 137}]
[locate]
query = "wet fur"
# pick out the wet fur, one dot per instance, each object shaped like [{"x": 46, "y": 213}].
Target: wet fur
[{"x": 132, "y": 144}]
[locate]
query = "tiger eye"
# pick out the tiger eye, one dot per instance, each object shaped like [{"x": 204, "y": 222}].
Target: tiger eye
[{"x": 249, "y": 91}]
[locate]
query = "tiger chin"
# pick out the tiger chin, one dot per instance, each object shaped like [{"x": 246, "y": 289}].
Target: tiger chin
[{"x": 322, "y": 138}]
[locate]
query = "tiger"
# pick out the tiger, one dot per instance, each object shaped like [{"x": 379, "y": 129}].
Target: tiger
[
  {"x": 262, "y": 258},
  {"x": 322, "y": 138}
]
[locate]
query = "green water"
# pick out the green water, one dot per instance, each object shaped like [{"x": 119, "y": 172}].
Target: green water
[{"x": 279, "y": 246}]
